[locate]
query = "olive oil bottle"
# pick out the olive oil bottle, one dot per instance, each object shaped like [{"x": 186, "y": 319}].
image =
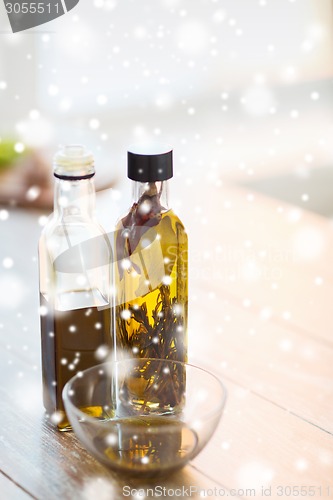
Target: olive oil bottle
[
  {"x": 151, "y": 277},
  {"x": 75, "y": 260}
]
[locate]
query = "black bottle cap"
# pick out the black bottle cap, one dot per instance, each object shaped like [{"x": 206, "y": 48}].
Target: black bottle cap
[{"x": 149, "y": 164}]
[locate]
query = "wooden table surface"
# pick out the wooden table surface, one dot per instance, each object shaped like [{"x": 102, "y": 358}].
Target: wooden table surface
[{"x": 261, "y": 318}]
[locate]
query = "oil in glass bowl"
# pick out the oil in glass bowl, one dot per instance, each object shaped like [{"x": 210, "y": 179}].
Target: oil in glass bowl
[{"x": 130, "y": 436}]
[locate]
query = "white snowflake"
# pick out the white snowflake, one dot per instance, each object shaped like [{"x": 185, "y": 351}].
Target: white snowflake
[
  {"x": 126, "y": 314},
  {"x": 94, "y": 124},
  {"x": 7, "y": 262},
  {"x": 53, "y": 90}
]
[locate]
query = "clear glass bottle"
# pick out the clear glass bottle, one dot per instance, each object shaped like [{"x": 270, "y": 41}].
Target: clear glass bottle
[
  {"x": 75, "y": 259},
  {"x": 151, "y": 277}
]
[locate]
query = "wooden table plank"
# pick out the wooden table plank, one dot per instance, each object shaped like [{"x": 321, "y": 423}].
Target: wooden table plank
[
  {"x": 252, "y": 256},
  {"x": 259, "y": 444},
  {"x": 63, "y": 468},
  {"x": 286, "y": 288},
  {"x": 274, "y": 361},
  {"x": 11, "y": 491}
]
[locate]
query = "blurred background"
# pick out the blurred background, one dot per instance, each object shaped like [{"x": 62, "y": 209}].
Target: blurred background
[{"x": 242, "y": 90}]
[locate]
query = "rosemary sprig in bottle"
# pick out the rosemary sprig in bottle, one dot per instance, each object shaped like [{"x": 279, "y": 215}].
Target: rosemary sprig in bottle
[{"x": 151, "y": 324}]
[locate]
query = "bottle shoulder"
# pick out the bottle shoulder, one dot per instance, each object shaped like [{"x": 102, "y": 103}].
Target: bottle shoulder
[
  {"x": 58, "y": 237},
  {"x": 165, "y": 230},
  {"x": 57, "y": 225},
  {"x": 165, "y": 214},
  {"x": 175, "y": 218}
]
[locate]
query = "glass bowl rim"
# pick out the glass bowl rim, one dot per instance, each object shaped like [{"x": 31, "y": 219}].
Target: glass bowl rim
[{"x": 95, "y": 420}]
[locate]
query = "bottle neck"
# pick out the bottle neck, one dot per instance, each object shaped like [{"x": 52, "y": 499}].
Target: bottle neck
[
  {"x": 157, "y": 190},
  {"x": 74, "y": 197}
]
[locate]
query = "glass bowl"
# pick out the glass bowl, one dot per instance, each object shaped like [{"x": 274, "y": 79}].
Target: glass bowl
[{"x": 144, "y": 417}]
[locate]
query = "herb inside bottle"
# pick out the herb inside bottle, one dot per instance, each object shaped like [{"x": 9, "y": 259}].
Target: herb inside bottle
[{"x": 151, "y": 284}]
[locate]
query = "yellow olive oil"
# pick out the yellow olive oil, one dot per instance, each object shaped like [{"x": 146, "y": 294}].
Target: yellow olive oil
[{"x": 152, "y": 295}]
